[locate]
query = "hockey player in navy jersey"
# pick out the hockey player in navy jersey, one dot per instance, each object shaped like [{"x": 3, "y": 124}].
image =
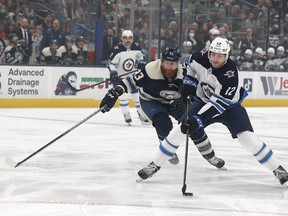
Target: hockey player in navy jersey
[
  {"x": 158, "y": 84},
  {"x": 124, "y": 58},
  {"x": 212, "y": 78}
]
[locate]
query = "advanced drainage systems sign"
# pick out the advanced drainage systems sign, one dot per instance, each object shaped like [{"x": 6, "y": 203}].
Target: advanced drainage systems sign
[{"x": 52, "y": 82}]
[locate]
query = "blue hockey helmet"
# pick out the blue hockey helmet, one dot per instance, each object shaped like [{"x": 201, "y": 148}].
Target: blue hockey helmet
[{"x": 171, "y": 54}]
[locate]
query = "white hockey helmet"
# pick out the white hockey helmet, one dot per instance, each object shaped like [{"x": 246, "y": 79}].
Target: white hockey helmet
[
  {"x": 220, "y": 45},
  {"x": 259, "y": 50},
  {"x": 127, "y": 33}
]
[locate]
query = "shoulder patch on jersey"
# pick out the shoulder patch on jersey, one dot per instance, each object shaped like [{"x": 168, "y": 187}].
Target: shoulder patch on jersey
[{"x": 230, "y": 74}]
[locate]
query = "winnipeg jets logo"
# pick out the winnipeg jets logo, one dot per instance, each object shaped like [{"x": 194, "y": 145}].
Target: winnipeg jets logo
[
  {"x": 128, "y": 64},
  {"x": 230, "y": 74},
  {"x": 207, "y": 89}
]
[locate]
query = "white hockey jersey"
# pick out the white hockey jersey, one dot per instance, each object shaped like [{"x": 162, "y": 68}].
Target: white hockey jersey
[
  {"x": 219, "y": 88},
  {"x": 124, "y": 60}
]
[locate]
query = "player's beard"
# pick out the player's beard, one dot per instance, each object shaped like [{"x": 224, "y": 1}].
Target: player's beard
[{"x": 168, "y": 73}]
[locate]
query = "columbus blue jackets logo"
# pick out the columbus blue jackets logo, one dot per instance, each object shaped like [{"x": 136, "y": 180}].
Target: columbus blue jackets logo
[
  {"x": 230, "y": 74},
  {"x": 170, "y": 95}
]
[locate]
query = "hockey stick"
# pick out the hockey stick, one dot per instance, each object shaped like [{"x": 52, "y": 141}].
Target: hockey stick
[
  {"x": 122, "y": 75},
  {"x": 12, "y": 163},
  {"x": 186, "y": 154}
]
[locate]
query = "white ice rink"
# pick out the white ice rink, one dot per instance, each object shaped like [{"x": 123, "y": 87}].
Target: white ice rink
[{"x": 91, "y": 171}]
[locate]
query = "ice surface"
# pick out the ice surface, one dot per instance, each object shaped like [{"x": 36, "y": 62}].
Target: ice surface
[{"x": 92, "y": 170}]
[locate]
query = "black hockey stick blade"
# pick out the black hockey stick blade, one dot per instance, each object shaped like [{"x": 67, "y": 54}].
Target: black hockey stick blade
[{"x": 184, "y": 191}]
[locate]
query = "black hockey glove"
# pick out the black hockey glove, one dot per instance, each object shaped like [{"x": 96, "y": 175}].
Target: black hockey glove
[
  {"x": 109, "y": 100},
  {"x": 188, "y": 87},
  {"x": 192, "y": 125},
  {"x": 114, "y": 78},
  {"x": 177, "y": 108},
  {"x": 141, "y": 64}
]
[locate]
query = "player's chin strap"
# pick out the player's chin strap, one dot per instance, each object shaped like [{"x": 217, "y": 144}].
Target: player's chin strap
[{"x": 12, "y": 163}]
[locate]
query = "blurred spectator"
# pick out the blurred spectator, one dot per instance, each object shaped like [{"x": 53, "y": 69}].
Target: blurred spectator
[
  {"x": 124, "y": 21},
  {"x": 284, "y": 43},
  {"x": 110, "y": 15},
  {"x": 213, "y": 33},
  {"x": 26, "y": 36},
  {"x": 169, "y": 10},
  {"x": 201, "y": 37},
  {"x": 233, "y": 54},
  {"x": 260, "y": 10},
  {"x": 248, "y": 42},
  {"x": 237, "y": 15},
  {"x": 274, "y": 26},
  {"x": 80, "y": 16},
  {"x": 14, "y": 52},
  {"x": 274, "y": 41},
  {"x": 24, "y": 10},
  {"x": 258, "y": 60},
  {"x": 70, "y": 9},
  {"x": 191, "y": 37},
  {"x": 58, "y": 8},
  {"x": 224, "y": 31},
  {"x": 11, "y": 6},
  {"x": 37, "y": 36},
  {"x": 11, "y": 27},
  {"x": 144, "y": 37},
  {"x": 109, "y": 41},
  {"x": 169, "y": 40},
  {"x": 69, "y": 52},
  {"x": 246, "y": 62},
  {"x": 270, "y": 55},
  {"x": 250, "y": 21},
  {"x": 210, "y": 24},
  {"x": 47, "y": 22},
  {"x": 50, "y": 55},
  {"x": 186, "y": 50},
  {"x": 82, "y": 52},
  {"x": 280, "y": 59},
  {"x": 2, "y": 32},
  {"x": 55, "y": 33},
  {"x": 3, "y": 11},
  {"x": 173, "y": 25}
]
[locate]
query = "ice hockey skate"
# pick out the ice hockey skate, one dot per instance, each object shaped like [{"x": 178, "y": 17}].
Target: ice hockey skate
[
  {"x": 143, "y": 118},
  {"x": 174, "y": 160},
  {"x": 217, "y": 162},
  {"x": 147, "y": 172},
  {"x": 282, "y": 175},
  {"x": 127, "y": 118}
]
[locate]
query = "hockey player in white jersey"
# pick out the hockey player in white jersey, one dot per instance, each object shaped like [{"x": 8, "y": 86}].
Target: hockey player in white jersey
[
  {"x": 212, "y": 78},
  {"x": 125, "y": 57}
]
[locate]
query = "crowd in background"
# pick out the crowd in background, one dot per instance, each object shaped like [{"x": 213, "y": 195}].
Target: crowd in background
[{"x": 254, "y": 47}]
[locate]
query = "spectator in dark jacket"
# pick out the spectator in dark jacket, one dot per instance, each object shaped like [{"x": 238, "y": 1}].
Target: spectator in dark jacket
[{"x": 55, "y": 33}]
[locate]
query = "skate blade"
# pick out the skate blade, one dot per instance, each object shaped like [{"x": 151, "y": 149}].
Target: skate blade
[
  {"x": 174, "y": 161},
  {"x": 222, "y": 168},
  {"x": 139, "y": 180}
]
